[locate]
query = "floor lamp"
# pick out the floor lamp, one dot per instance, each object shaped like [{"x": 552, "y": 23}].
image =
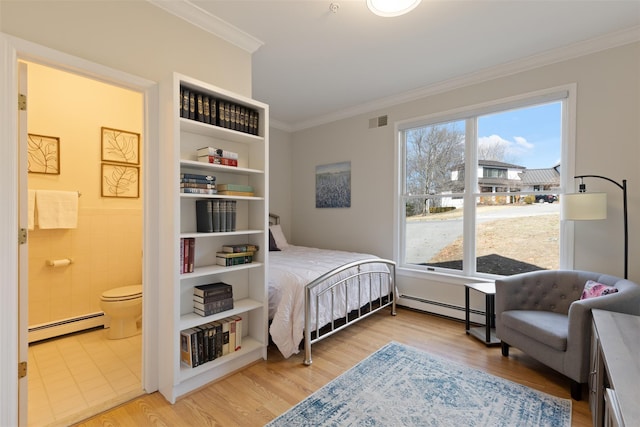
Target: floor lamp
[{"x": 588, "y": 206}]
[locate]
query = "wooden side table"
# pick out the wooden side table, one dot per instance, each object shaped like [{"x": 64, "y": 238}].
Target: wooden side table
[{"x": 486, "y": 333}]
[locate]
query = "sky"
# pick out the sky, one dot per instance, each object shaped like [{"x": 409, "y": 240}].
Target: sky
[{"x": 532, "y": 135}]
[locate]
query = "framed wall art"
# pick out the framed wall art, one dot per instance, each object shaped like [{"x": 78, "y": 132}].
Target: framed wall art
[
  {"x": 120, "y": 146},
  {"x": 120, "y": 181},
  {"x": 333, "y": 185},
  {"x": 43, "y": 154}
]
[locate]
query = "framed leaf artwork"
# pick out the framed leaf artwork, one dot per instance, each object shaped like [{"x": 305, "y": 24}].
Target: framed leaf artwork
[
  {"x": 120, "y": 181},
  {"x": 43, "y": 154},
  {"x": 120, "y": 146}
]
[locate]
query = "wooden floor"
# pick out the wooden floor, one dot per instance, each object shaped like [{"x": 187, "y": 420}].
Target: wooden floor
[{"x": 257, "y": 394}]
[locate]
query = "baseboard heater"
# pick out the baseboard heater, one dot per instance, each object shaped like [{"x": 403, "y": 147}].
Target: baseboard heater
[
  {"x": 65, "y": 326},
  {"x": 442, "y": 304}
]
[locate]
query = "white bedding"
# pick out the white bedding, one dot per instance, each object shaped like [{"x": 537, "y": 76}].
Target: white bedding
[{"x": 289, "y": 271}]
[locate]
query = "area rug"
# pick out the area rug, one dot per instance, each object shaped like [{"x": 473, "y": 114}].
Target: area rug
[{"x": 400, "y": 385}]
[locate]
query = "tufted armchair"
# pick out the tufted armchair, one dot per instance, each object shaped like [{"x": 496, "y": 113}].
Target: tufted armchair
[{"x": 541, "y": 313}]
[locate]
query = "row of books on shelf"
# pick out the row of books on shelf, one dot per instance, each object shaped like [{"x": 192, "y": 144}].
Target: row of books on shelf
[
  {"x": 202, "y": 107},
  {"x": 217, "y": 156},
  {"x": 228, "y": 256},
  {"x": 216, "y": 215},
  {"x": 204, "y": 343}
]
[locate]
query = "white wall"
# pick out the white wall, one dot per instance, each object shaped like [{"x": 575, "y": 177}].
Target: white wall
[
  {"x": 131, "y": 36},
  {"x": 608, "y": 139},
  {"x": 280, "y": 177}
]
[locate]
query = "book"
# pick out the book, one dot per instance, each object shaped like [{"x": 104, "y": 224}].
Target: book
[
  {"x": 238, "y": 321},
  {"x": 206, "y": 109},
  {"x": 187, "y": 347},
  {"x": 201, "y": 184},
  {"x": 211, "y": 334},
  {"x": 225, "y": 337},
  {"x": 203, "y": 345},
  {"x": 216, "y": 215},
  {"x": 222, "y": 215},
  {"x": 232, "y": 333},
  {"x": 236, "y": 193},
  {"x": 212, "y": 298},
  {"x": 220, "y": 121},
  {"x": 199, "y": 191},
  {"x": 199, "y": 108},
  {"x": 218, "y": 343},
  {"x": 247, "y": 247},
  {"x": 243, "y": 258},
  {"x": 215, "y": 306},
  {"x": 187, "y": 254},
  {"x": 233, "y": 254},
  {"x": 217, "y": 160},
  {"x": 212, "y": 151},
  {"x": 191, "y": 254},
  {"x": 204, "y": 216},
  {"x": 184, "y": 111},
  {"x": 192, "y": 105},
  {"x": 197, "y": 176},
  {"x": 235, "y": 187},
  {"x": 213, "y": 109},
  {"x": 211, "y": 289}
]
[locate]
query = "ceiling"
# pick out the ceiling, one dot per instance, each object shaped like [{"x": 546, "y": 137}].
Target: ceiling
[{"x": 312, "y": 65}]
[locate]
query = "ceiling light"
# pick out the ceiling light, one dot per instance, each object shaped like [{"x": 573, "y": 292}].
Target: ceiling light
[{"x": 389, "y": 8}]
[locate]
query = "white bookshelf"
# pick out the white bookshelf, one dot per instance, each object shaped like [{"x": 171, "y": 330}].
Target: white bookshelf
[{"x": 180, "y": 140}]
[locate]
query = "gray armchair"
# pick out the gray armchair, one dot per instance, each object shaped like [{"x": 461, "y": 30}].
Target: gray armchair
[{"x": 541, "y": 314}]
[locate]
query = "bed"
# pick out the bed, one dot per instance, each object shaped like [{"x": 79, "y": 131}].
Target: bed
[{"x": 314, "y": 293}]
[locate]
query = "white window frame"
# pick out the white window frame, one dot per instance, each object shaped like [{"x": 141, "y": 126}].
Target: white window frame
[{"x": 565, "y": 94}]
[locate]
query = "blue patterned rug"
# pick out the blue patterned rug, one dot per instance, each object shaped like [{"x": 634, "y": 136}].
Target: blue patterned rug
[{"x": 403, "y": 386}]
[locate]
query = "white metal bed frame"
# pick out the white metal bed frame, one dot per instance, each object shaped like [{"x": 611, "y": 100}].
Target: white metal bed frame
[{"x": 383, "y": 275}]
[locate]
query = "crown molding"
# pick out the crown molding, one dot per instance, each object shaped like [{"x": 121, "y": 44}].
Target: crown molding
[
  {"x": 575, "y": 50},
  {"x": 204, "y": 20}
]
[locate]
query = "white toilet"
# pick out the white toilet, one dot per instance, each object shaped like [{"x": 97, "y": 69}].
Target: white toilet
[{"x": 124, "y": 307}]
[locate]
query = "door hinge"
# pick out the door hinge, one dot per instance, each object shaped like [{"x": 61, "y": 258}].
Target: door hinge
[
  {"x": 22, "y": 102},
  {"x": 22, "y": 370},
  {"x": 22, "y": 236}
]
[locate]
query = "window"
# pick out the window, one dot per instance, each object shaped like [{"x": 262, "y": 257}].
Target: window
[{"x": 479, "y": 192}]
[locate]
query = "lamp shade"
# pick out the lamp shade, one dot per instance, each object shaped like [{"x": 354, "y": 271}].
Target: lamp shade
[
  {"x": 389, "y": 8},
  {"x": 584, "y": 206}
]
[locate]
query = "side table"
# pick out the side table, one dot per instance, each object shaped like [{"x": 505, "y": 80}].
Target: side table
[{"x": 486, "y": 333}]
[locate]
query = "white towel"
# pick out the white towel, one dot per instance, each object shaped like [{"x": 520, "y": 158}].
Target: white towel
[
  {"x": 31, "y": 209},
  {"x": 57, "y": 209}
]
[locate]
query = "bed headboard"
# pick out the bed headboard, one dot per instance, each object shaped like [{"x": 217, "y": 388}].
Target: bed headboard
[{"x": 274, "y": 219}]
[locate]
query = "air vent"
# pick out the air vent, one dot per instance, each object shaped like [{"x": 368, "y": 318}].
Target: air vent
[{"x": 377, "y": 122}]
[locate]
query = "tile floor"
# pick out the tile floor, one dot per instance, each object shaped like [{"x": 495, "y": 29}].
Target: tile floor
[{"x": 73, "y": 377}]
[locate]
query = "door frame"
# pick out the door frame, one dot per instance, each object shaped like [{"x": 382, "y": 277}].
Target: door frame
[{"x": 13, "y": 333}]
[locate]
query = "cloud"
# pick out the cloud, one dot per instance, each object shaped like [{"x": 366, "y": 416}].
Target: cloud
[
  {"x": 522, "y": 142},
  {"x": 518, "y": 146}
]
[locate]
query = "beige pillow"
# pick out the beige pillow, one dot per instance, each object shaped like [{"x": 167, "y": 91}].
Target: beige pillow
[{"x": 278, "y": 236}]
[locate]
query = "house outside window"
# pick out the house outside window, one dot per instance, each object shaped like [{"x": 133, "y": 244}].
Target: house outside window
[{"x": 470, "y": 200}]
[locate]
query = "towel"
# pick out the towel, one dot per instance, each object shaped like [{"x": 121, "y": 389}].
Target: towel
[
  {"x": 31, "y": 209},
  {"x": 57, "y": 209}
]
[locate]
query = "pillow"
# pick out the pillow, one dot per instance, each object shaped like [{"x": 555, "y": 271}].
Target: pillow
[
  {"x": 272, "y": 243},
  {"x": 278, "y": 236},
  {"x": 594, "y": 289}
]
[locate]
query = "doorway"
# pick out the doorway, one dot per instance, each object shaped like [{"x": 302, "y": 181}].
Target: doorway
[
  {"x": 14, "y": 324},
  {"x": 80, "y": 134}
]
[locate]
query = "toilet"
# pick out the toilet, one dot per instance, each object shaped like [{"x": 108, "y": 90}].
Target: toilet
[{"x": 124, "y": 307}]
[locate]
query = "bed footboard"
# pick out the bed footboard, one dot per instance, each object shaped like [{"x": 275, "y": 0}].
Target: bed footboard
[{"x": 372, "y": 282}]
